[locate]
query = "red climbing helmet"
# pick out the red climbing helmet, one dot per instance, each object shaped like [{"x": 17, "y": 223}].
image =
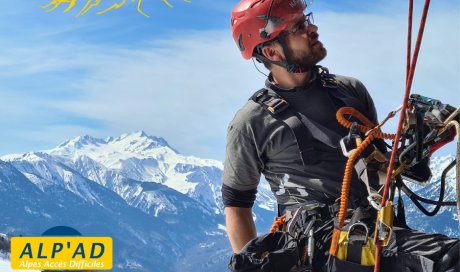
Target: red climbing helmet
[{"x": 258, "y": 21}]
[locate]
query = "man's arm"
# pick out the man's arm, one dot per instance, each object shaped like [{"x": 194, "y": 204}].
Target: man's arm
[
  {"x": 240, "y": 226},
  {"x": 242, "y": 169}
]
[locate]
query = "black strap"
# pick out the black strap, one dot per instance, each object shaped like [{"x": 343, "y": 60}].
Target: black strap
[
  {"x": 289, "y": 64},
  {"x": 325, "y": 212},
  {"x": 277, "y": 107},
  {"x": 358, "y": 234},
  {"x": 320, "y": 132},
  {"x": 304, "y": 129},
  {"x": 360, "y": 214},
  {"x": 354, "y": 249},
  {"x": 400, "y": 219},
  {"x": 303, "y": 137}
]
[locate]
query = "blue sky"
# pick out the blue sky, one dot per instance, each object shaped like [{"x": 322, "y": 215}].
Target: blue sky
[{"x": 178, "y": 74}]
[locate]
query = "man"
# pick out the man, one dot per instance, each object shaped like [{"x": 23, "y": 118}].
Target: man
[{"x": 279, "y": 34}]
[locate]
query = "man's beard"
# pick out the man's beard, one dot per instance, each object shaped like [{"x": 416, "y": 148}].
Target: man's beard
[{"x": 311, "y": 59}]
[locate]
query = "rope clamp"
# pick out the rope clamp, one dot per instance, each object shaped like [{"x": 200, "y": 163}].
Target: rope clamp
[
  {"x": 349, "y": 143},
  {"x": 375, "y": 200},
  {"x": 384, "y": 226}
]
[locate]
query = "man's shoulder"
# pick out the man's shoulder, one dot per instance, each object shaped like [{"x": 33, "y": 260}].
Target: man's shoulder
[
  {"x": 349, "y": 81},
  {"x": 250, "y": 114},
  {"x": 351, "y": 86}
]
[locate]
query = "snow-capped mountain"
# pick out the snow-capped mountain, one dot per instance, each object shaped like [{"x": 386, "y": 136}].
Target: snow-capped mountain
[
  {"x": 133, "y": 172},
  {"x": 116, "y": 162},
  {"x": 163, "y": 209},
  {"x": 446, "y": 220},
  {"x": 28, "y": 210}
]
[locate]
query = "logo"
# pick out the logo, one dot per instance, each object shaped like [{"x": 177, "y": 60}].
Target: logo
[
  {"x": 96, "y": 4},
  {"x": 61, "y": 248}
]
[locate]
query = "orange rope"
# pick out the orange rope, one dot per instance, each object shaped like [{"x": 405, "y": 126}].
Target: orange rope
[
  {"x": 368, "y": 125},
  {"x": 279, "y": 221},
  {"x": 355, "y": 113},
  {"x": 372, "y": 133}
]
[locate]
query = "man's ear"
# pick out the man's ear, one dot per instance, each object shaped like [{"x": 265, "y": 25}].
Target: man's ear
[{"x": 272, "y": 52}]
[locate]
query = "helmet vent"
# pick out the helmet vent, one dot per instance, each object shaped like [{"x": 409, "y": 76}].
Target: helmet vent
[
  {"x": 240, "y": 43},
  {"x": 256, "y": 4},
  {"x": 264, "y": 34}
]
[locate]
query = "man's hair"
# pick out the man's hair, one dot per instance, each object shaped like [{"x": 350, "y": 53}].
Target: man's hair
[
  {"x": 258, "y": 52},
  {"x": 266, "y": 64}
]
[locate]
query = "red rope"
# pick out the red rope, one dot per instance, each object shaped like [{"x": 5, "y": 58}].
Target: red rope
[
  {"x": 409, "y": 37},
  {"x": 394, "y": 151}
]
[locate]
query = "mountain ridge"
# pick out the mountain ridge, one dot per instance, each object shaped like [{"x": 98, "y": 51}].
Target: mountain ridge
[{"x": 163, "y": 202}]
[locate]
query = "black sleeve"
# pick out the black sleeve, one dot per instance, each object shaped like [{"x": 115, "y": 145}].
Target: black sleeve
[{"x": 236, "y": 198}]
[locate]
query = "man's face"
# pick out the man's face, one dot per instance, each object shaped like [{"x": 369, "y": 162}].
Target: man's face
[{"x": 302, "y": 40}]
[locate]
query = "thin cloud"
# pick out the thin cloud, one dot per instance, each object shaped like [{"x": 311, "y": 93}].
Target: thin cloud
[{"x": 186, "y": 89}]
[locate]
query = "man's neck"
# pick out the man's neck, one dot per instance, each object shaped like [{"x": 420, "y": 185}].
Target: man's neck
[{"x": 286, "y": 80}]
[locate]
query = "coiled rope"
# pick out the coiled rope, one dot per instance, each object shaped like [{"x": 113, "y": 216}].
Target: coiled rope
[{"x": 372, "y": 133}]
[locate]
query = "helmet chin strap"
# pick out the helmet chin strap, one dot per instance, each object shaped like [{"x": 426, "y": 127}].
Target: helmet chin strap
[{"x": 289, "y": 64}]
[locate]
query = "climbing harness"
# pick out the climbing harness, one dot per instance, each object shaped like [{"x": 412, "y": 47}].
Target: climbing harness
[
  {"x": 423, "y": 139},
  {"x": 340, "y": 246},
  {"x": 425, "y": 125},
  {"x": 290, "y": 244},
  {"x": 301, "y": 222},
  {"x": 304, "y": 128}
]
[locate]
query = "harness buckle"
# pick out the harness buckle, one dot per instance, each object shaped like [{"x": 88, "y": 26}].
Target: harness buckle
[
  {"x": 329, "y": 82},
  {"x": 299, "y": 220},
  {"x": 358, "y": 232},
  {"x": 301, "y": 226},
  {"x": 375, "y": 199},
  {"x": 276, "y": 105}
]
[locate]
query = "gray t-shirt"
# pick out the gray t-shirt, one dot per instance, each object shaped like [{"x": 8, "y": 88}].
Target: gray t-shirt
[{"x": 258, "y": 144}]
